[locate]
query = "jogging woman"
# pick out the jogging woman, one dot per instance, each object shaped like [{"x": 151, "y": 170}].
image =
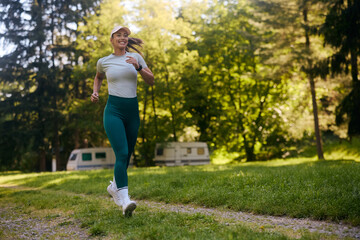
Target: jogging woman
[{"x": 121, "y": 114}]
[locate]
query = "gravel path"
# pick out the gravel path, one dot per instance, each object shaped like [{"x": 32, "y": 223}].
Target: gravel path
[
  {"x": 262, "y": 221},
  {"x": 15, "y": 225}
]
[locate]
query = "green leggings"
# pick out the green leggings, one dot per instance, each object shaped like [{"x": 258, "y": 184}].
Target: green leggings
[{"x": 121, "y": 123}]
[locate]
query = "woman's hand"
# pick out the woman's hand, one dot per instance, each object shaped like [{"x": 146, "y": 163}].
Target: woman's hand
[
  {"x": 145, "y": 73},
  {"x": 94, "y": 97},
  {"x": 132, "y": 61},
  {"x": 97, "y": 84}
]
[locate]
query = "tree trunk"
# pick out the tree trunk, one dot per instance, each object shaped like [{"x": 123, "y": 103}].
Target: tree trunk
[
  {"x": 42, "y": 157},
  {"x": 144, "y": 142},
  {"x": 354, "y": 66},
  {"x": 353, "y": 128},
  {"x": 76, "y": 138},
  {"x": 249, "y": 150},
  {"x": 171, "y": 107},
  {"x": 312, "y": 86},
  {"x": 154, "y": 111},
  {"x": 40, "y": 95},
  {"x": 316, "y": 120},
  {"x": 144, "y": 116},
  {"x": 56, "y": 140},
  {"x": 41, "y": 146},
  {"x": 76, "y": 130}
]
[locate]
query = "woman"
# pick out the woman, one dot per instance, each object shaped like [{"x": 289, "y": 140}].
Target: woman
[{"x": 121, "y": 114}]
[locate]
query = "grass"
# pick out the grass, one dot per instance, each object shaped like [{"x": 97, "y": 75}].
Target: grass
[
  {"x": 322, "y": 190},
  {"x": 102, "y": 218},
  {"x": 319, "y": 190},
  {"x": 333, "y": 148}
]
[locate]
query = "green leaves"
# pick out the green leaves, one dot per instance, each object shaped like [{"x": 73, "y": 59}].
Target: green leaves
[
  {"x": 230, "y": 73},
  {"x": 341, "y": 30}
]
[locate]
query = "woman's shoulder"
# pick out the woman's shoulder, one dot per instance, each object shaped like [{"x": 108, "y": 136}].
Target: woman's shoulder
[
  {"x": 106, "y": 57},
  {"x": 103, "y": 59},
  {"x": 134, "y": 54}
]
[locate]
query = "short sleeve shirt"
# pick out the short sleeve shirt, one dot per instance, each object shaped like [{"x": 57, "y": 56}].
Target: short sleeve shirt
[{"x": 121, "y": 76}]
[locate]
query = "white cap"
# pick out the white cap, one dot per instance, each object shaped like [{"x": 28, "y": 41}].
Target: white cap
[{"x": 117, "y": 28}]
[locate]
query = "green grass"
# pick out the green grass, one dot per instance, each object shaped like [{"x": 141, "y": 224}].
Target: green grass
[
  {"x": 102, "y": 218},
  {"x": 339, "y": 149},
  {"x": 321, "y": 190},
  {"x": 333, "y": 149}
]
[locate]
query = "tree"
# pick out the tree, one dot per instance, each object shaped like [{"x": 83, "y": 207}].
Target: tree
[
  {"x": 301, "y": 15},
  {"x": 165, "y": 36},
  {"x": 342, "y": 31},
  {"x": 36, "y": 72},
  {"x": 309, "y": 70},
  {"x": 239, "y": 73}
]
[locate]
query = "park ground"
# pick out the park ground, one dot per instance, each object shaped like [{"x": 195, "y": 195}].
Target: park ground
[{"x": 281, "y": 199}]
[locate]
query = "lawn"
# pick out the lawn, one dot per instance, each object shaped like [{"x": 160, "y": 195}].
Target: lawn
[
  {"x": 321, "y": 190},
  {"x": 101, "y": 218}
]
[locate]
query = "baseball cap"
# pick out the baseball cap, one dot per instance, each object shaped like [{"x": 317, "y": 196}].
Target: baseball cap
[{"x": 117, "y": 28}]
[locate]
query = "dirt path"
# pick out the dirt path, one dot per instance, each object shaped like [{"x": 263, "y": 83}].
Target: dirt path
[
  {"x": 15, "y": 225},
  {"x": 34, "y": 227},
  {"x": 271, "y": 223}
]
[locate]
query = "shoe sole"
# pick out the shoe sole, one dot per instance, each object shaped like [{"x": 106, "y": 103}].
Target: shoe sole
[{"x": 129, "y": 209}]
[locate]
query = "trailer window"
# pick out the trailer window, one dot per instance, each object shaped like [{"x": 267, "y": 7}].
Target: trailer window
[
  {"x": 73, "y": 156},
  {"x": 200, "y": 151},
  {"x": 86, "y": 157},
  {"x": 188, "y": 150},
  {"x": 100, "y": 155},
  {"x": 160, "y": 151}
]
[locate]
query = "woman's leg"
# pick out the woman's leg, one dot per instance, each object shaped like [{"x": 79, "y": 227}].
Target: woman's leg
[
  {"x": 131, "y": 128},
  {"x": 115, "y": 131}
]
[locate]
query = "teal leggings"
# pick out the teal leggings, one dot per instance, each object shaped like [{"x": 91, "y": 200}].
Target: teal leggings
[{"x": 121, "y": 123}]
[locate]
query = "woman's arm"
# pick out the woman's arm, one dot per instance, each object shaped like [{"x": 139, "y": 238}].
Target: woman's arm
[
  {"x": 97, "y": 84},
  {"x": 147, "y": 75}
]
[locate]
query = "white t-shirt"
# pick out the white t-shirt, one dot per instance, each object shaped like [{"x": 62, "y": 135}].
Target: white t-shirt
[{"x": 121, "y": 76}]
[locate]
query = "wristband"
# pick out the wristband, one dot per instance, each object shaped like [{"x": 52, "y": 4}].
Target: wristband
[{"x": 139, "y": 69}]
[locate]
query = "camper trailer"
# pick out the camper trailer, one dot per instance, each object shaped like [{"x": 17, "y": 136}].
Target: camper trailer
[
  {"x": 91, "y": 158},
  {"x": 181, "y": 153}
]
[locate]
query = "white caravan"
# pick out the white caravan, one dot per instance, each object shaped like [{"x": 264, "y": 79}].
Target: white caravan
[
  {"x": 91, "y": 158},
  {"x": 181, "y": 153}
]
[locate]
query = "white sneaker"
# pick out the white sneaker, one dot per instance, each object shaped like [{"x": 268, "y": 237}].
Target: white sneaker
[
  {"x": 128, "y": 205},
  {"x": 121, "y": 198},
  {"x": 113, "y": 192}
]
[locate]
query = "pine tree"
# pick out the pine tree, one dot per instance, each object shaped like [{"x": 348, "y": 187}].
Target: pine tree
[
  {"x": 42, "y": 33},
  {"x": 342, "y": 31}
]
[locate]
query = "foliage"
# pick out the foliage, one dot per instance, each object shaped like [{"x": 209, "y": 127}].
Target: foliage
[
  {"x": 242, "y": 78},
  {"x": 341, "y": 30},
  {"x": 36, "y": 77},
  {"x": 162, "y": 106},
  {"x": 229, "y": 73}
]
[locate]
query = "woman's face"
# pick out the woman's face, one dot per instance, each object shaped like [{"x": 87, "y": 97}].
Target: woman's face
[{"x": 119, "y": 39}]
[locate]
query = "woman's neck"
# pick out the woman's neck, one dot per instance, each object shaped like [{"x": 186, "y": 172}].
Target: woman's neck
[{"x": 119, "y": 52}]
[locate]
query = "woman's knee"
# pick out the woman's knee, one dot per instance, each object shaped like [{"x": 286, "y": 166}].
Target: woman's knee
[{"x": 122, "y": 156}]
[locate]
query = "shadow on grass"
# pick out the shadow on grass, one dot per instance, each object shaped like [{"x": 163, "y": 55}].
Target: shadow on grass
[{"x": 94, "y": 179}]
